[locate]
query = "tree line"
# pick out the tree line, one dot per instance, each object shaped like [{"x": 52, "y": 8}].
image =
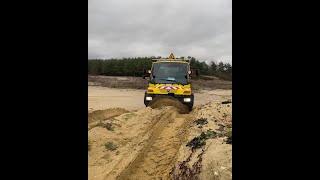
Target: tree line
[{"x": 135, "y": 66}]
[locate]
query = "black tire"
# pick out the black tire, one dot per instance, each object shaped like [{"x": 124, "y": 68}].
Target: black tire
[
  {"x": 144, "y": 99},
  {"x": 190, "y": 105}
]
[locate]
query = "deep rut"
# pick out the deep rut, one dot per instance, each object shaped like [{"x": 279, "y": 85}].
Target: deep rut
[{"x": 158, "y": 156}]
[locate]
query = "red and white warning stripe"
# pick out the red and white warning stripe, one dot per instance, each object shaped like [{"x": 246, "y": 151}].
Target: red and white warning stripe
[{"x": 169, "y": 87}]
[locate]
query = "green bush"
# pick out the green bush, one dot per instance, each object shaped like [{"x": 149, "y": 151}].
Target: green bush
[{"x": 110, "y": 146}]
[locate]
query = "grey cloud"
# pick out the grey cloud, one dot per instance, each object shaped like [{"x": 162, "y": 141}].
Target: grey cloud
[{"x": 126, "y": 28}]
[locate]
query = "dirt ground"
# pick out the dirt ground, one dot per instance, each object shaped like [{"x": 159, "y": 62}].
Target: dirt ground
[
  {"x": 130, "y": 141},
  {"x": 101, "y": 98}
]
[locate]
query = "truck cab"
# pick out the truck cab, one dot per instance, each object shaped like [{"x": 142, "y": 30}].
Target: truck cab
[{"x": 170, "y": 77}]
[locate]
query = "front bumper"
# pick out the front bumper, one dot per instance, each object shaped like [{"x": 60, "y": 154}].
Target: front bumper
[{"x": 185, "y": 99}]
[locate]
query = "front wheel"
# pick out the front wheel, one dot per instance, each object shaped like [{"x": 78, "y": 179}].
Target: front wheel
[
  {"x": 144, "y": 100},
  {"x": 190, "y": 105}
]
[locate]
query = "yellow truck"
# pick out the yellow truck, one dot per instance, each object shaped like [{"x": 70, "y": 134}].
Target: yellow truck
[{"x": 170, "y": 77}]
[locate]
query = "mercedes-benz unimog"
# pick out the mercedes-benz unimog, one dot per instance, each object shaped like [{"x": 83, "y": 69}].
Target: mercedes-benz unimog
[{"x": 170, "y": 77}]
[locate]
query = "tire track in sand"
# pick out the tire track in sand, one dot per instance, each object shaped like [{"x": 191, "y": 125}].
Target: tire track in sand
[{"x": 158, "y": 156}]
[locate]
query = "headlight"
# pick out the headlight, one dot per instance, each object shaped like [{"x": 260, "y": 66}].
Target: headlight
[
  {"x": 148, "y": 98},
  {"x": 187, "y": 99}
]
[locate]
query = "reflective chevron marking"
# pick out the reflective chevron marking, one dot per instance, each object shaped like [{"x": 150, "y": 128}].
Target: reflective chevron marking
[{"x": 169, "y": 87}]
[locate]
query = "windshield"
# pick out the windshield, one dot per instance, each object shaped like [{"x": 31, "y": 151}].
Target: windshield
[{"x": 169, "y": 73}]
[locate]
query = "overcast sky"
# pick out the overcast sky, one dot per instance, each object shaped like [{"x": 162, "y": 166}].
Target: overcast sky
[{"x": 131, "y": 28}]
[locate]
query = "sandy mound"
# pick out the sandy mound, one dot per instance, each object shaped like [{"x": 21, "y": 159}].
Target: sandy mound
[
  {"x": 141, "y": 145},
  {"x": 105, "y": 114},
  {"x": 152, "y": 143},
  {"x": 211, "y": 159},
  {"x": 160, "y": 102}
]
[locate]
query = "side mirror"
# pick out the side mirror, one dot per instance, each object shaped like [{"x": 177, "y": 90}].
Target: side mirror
[
  {"x": 190, "y": 74},
  {"x": 146, "y": 73}
]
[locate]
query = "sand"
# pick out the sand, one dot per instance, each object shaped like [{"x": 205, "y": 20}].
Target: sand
[{"x": 151, "y": 143}]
